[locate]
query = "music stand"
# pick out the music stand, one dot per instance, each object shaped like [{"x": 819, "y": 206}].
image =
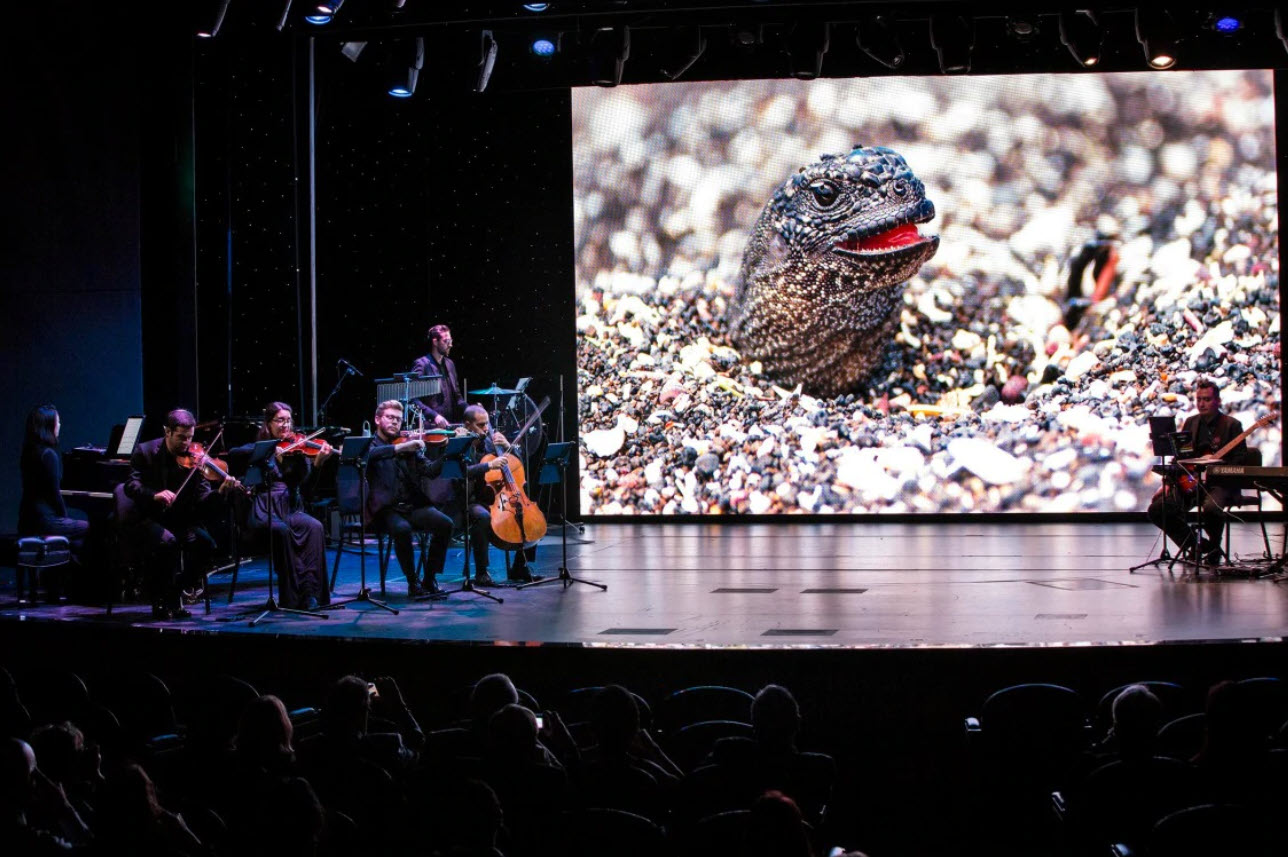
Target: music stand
[
  {"x": 353, "y": 452},
  {"x": 261, "y": 458},
  {"x": 553, "y": 471},
  {"x": 1162, "y": 434},
  {"x": 456, "y": 460}
]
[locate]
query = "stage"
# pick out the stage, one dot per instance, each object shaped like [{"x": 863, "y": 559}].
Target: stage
[{"x": 784, "y": 585}]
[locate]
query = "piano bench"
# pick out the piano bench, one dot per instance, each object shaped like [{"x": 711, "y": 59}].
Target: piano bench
[{"x": 36, "y": 553}]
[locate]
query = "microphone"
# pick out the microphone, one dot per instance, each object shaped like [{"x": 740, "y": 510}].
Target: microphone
[{"x": 348, "y": 367}]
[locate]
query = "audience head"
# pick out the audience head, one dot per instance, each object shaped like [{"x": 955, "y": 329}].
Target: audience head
[
  {"x": 477, "y": 812},
  {"x": 347, "y": 708},
  {"x": 60, "y": 748},
  {"x": 264, "y": 732},
  {"x": 776, "y": 828},
  {"x": 1228, "y": 719},
  {"x": 775, "y": 716},
  {"x": 1137, "y": 716},
  {"x": 615, "y": 717},
  {"x": 512, "y": 732},
  {"x": 17, "y": 767},
  {"x": 491, "y": 693}
]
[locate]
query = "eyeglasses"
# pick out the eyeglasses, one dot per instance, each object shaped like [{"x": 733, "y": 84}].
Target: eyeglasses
[{"x": 281, "y": 420}]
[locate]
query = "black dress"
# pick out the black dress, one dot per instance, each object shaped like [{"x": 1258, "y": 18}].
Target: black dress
[
  {"x": 299, "y": 541},
  {"x": 41, "y": 511}
]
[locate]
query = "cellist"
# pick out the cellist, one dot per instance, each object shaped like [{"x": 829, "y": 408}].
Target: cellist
[{"x": 489, "y": 442}]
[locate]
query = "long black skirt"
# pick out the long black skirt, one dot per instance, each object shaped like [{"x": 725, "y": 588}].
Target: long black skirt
[{"x": 299, "y": 547}]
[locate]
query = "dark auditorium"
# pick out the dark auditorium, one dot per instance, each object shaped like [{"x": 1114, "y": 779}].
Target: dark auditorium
[{"x": 648, "y": 428}]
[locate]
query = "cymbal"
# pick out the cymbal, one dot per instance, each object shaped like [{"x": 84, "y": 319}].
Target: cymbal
[{"x": 494, "y": 390}]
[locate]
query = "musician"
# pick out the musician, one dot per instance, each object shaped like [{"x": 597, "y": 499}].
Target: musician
[
  {"x": 41, "y": 510},
  {"x": 446, "y": 407},
  {"x": 1211, "y": 431},
  {"x": 493, "y": 443},
  {"x": 170, "y": 502},
  {"x": 299, "y": 542},
  {"x": 397, "y": 471}
]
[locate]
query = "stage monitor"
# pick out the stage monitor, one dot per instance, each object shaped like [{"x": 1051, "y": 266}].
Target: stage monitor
[{"x": 905, "y": 295}]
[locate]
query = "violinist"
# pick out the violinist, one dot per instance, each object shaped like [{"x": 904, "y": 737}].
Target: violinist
[
  {"x": 444, "y": 408},
  {"x": 494, "y": 443},
  {"x": 397, "y": 470},
  {"x": 170, "y": 497},
  {"x": 299, "y": 542}
]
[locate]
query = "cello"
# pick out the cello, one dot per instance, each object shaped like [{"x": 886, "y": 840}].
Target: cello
[{"x": 517, "y": 521}]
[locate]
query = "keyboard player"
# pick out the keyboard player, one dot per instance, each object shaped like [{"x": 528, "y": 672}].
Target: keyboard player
[
  {"x": 41, "y": 510},
  {"x": 1211, "y": 430}
]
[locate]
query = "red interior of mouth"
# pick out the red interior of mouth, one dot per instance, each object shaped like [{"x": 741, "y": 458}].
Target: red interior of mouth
[{"x": 900, "y": 236}]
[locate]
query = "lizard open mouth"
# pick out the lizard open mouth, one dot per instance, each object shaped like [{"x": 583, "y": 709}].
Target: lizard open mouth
[{"x": 900, "y": 236}]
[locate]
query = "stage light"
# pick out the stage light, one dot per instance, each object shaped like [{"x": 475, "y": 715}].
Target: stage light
[
  {"x": 317, "y": 19},
  {"x": 878, "y": 39},
  {"x": 1226, "y": 25},
  {"x": 406, "y": 61},
  {"x": 330, "y": 7},
  {"x": 806, "y": 46},
  {"x": 1156, "y": 32},
  {"x": 286, "y": 14},
  {"x": 214, "y": 22},
  {"x": 536, "y": 7},
  {"x": 543, "y": 47},
  {"x": 610, "y": 47},
  {"x": 1021, "y": 27},
  {"x": 687, "y": 46},
  {"x": 953, "y": 38},
  {"x": 352, "y": 50},
  {"x": 487, "y": 59},
  {"x": 1080, "y": 32}
]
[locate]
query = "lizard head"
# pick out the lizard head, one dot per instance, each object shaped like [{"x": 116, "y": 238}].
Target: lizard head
[{"x": 856, "y": 213}]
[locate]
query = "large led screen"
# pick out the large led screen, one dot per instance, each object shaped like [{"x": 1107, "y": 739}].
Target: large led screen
[{"x": 917, "y": 295}]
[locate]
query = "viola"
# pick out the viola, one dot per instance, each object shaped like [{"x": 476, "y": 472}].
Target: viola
[{"x": 431, "y": 437}]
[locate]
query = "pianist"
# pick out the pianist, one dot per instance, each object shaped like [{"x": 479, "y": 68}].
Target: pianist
[
  {"x": 1211, "y": 431},
  {"x": 41, "y": 511}
]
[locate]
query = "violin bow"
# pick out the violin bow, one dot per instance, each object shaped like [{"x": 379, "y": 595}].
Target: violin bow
[{"x": 297, "y": 444}]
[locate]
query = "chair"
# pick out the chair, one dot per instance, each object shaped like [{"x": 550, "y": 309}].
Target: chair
[
  {"x": 1182, "y": 738},
  {"x": 1122, "y": 800},
  {"x": 1243, "y": 500},
  {"x": 690, "y": 745},
  {"x": 601, "y": 830},
  {"x": 348, "y": 495},
  {"x": 703, "y": 702},
  {"x": 35, "y": 554},
  {"x": 1208, "y": 829},
  {"x": 1175, "y": 699},
  {"x": 579, "y": 702}
]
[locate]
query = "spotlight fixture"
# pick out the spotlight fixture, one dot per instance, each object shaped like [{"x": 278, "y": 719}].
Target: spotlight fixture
[
  {"x": 878, "y": 39},
  {"x": 324, "y": 12},
  {"x": 536, "y": 7},
  {"x": 1080, "y": 32},
  {"x": 686, "y": 47},
  {"x": 1156, "y": 31},
  {"x": 806, "y": 46},
  {"x": 487, "y": 59},
  {"x": 1226, "y": 24},
  {"x": 544, "y": 47},
  {"x": 1022, "y": 28},
  {"x": 610, "y": 47},
  {"x": 215, "y": 22},
  {"x": 407, "y": 60},
  {"x": 953, "y": 38}
]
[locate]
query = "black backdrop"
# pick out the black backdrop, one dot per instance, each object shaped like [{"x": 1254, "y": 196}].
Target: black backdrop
[{"x": 448, "y": 209}]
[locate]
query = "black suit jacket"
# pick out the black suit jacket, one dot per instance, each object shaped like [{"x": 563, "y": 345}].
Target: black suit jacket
[
  {"x": 394, "y": 479},
  {"x": 153, "y": 470}
]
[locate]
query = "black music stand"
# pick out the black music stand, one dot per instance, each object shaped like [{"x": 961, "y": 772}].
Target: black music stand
[
  {"x": 553, "y": 471},
  {"x": 353, "y": 452},
  {"x": 261, "y": 458},
  {"x": 456, "y": 459},
  {"x": 1162, "y": 434}
]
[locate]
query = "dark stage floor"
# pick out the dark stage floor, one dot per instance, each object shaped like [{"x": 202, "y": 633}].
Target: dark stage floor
[{"x": 789, "y": 585}]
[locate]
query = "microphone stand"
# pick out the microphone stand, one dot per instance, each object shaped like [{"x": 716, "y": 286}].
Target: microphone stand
[{"x": 348, "y": 370}]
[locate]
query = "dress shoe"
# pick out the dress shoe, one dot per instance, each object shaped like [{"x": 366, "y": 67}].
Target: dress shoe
[
  {"x": 484, "y": 579},
  {"x": 414, "y": 589},
  {"x": 159, "y": 612},
  {"x": 311, "y": 604},
  {"x": 180, "y": 613},
  {"x": 432, "y": 587}
]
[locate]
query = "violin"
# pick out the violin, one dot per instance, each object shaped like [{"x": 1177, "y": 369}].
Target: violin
[
  {"x": 196, "y": 458},
  {"x": 299, "y": 444}
]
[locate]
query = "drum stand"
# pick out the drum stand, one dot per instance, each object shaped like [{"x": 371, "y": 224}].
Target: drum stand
[{"x": 557, "y": 457}]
